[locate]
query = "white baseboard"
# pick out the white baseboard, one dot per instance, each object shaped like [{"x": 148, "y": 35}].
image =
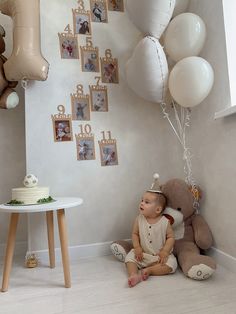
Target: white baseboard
[
  {"x": 77, "y": 252},
  {"x": 101, "y": 249},
  {"x": 223, "y": 259},
  {"x": 20, "y": 248}
]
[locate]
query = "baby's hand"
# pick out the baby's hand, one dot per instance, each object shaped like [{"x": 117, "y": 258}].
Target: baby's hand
[
  {"x": 138, "y": 253},
  {"x": 163, "y": 256}
]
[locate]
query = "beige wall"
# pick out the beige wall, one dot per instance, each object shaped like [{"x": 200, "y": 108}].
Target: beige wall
[
  {"x": 213, "y": 141},
  {"x": 144, "y": 139}
]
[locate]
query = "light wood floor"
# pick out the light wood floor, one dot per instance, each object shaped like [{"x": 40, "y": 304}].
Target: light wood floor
[{"x": 99, "y": 285}]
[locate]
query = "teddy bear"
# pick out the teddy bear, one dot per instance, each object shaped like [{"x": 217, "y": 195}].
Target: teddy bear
[
  {"x": 192, "y": 233},
  {"x": 8, "y": 96}
]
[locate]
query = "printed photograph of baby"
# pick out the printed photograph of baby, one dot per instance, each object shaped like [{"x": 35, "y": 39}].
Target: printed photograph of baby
[
  {"x": 85, "y": 148},
  {"x": 108, "y": 154},
  {"x": 68, "y": 46},
  {"x": 99, "y": 100},
  {"x": 98, "y": 10},
  {"x": 62, "y": 130},
  {"x": 109, "y": 70},
  {"x": 89, "y": 60},
  {"x": 116, "y": 5},
  {"x": 81, "y": 22},
  {"x": 80, "y": 108}
]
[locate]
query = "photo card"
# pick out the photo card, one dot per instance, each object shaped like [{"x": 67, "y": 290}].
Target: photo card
[
  {"x": 68, "y": 46},
  {"x": 85, "y": 147},
  {"x": 98, "y": 9},
  {"x": 80, "y": 108},
  {"x": 81, "y": 22},
  {"x": 116, "y": 5},
  {"x": 80, "y": 105},
  {"x": 89, "y": 59},
  {"x": 62, "y": 126},
  {"x": 108, "y": 152},
  {"x": 109, "y": 68},
  {"x": 99, "y": 98}
]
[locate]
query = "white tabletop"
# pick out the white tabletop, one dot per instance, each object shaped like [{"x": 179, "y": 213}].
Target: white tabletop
[{"x": 61, "y": 202}]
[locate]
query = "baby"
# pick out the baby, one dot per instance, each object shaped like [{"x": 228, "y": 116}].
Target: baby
[{"x": 153, "y": 241}]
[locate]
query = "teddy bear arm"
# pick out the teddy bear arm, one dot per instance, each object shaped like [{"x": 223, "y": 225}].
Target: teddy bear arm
[
  {"x": 3, "y": 58},
  {"x": 202, "y": 233},
  {"x": 12, "y": 84}
]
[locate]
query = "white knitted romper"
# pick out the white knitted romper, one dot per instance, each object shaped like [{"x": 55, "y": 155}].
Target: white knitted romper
[{"x": 152, "y": 239}]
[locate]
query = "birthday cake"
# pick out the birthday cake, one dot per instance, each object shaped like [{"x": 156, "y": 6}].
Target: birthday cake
[{"x": 31, "y": 193}]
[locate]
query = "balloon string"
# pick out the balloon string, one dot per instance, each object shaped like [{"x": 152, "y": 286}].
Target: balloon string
[
  {"x": 166, "y": 116},
  {"x": 182, "y": 122}
]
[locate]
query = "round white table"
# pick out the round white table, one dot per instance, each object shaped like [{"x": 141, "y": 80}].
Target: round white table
[{"x": 59, "y": 206}]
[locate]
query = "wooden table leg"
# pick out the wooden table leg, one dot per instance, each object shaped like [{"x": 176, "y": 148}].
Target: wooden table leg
[
  {"x": 64, "y": 246},
  {"x": 51, "y": 246},
  {"x": 9, "y": 250}
]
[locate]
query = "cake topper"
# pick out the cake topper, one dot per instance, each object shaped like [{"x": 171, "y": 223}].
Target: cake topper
[{"x": 30, "y": 181}]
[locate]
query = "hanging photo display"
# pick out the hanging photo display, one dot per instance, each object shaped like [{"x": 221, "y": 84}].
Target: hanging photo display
[
  {"x": 98, "y": 10},
  {"x": 80, "y": 105},
  {"x": 81, "y": 20},
  {"x": 68, "y": 44},
  {"x": 108, "y": 150},
  {"x": 116, "y": 5},
  {"x": 89, "y": 57},
  {"x": 62, "y": 125},
  {"x": 85, "y": 143},
  {"x": 98, "y": 97},
  {"x": 109, "y": 68},
  {"x": 97, "y": 101}
]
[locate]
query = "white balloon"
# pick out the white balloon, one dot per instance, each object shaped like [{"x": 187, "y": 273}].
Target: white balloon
[
  {"x": 185, "y": 36},
  {"x": 180, "y": 7},
  {"x": 147, "y": 70},
  {"x": 190, "y": 81},
  {"x": 150, "y": 16}
]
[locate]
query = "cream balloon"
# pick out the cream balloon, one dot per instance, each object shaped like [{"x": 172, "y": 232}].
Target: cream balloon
[
  {"x": 185, "y": 36},
  {"x": 190, "y": 81},
  {"x": 151, "y": 17},
  {"x": 180, "y": 7},
  {"x": 26, "y": 61},
  {"x": 147, "y": 70}
]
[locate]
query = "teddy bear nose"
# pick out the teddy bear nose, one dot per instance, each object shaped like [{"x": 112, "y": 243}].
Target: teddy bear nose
[{"x": 179, "y": 209}]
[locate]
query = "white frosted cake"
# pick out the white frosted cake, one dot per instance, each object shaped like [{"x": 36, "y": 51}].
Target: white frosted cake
[{"x": 31, "y": 193}]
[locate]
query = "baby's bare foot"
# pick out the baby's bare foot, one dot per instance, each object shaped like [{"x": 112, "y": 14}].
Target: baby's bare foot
[
  {"x": 133, "y": 280},
  {"x": 144, "y": 274}
]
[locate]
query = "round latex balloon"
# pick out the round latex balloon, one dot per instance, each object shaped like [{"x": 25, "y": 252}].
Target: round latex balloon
[
  {"x": 180, "y": 7},
  {"x": 185, "y": 36},
  {"x": 26, "y": 61},
  {"x": 190, "y": 81},
  {"x": 147, "y": 70},
  {"x": 151, "y": 16}
]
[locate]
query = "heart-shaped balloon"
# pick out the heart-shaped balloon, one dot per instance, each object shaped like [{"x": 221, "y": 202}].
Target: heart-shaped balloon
[
  {"x": 150, "y": 16},
  {"x": 147, "y": 70}
]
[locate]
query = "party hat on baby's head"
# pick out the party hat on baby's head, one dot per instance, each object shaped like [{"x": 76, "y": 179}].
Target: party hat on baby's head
[{"x": 155, "y": 187}]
